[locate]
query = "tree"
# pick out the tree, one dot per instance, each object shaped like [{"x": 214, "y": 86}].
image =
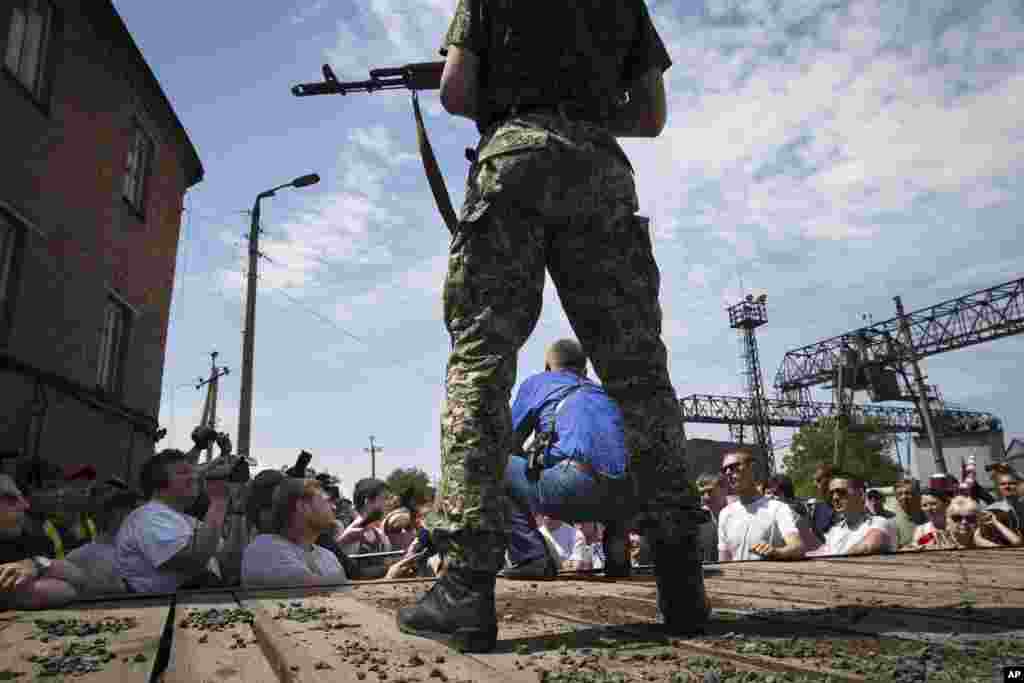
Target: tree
[
  {"x": 866, "y": 454},
  {"x": 412, "y": 481}
]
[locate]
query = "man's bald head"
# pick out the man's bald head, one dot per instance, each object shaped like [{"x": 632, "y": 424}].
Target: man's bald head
[{"x": 566, "y": 354}]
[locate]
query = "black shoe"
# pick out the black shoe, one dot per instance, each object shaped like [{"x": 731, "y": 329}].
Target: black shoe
[
  {"x": 541, "y": 568},
  {"x": 682, "y": 600},
  {"x": 458, "y": 611},
  {"x": 616, "y": 550}
]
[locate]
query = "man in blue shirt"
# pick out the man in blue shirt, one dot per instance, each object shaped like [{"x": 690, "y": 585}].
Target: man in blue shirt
[{"x": 583, "y": 470}]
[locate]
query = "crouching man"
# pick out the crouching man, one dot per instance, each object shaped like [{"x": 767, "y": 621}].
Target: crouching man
[
  {"x": 288, "y": 555},
  {"x": 577, "y": 431},
  {"x": 28, "y": 578}
]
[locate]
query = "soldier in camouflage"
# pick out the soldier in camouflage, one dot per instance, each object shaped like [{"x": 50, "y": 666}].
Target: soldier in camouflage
[{"x": 550, "y": 188}]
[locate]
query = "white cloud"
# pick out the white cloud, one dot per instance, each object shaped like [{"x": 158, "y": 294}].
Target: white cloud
[
  {"x": 379, "y": 141},
  {"x": 390, "y": 33}
]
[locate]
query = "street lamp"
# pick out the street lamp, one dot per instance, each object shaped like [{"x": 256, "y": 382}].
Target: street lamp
[{"x": 248, "y": 336}]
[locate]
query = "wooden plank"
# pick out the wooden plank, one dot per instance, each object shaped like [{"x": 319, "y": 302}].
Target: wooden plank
[
  {"x": 568, "y": 625},
  {"x": 229, "y": 655},
  {"x": 864, "y": 590},
  {"x": 935, "y": 566},
  {"x": 368, "y": 643},
  {"x": 134, "y": 649}
]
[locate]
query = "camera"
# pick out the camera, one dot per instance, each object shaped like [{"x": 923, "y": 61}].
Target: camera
[
  {"x": 298, "y": 470},
  {"x": 225, "y": 467}
]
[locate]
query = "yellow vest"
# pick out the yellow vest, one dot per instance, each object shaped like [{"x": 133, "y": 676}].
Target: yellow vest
[
  {"x": 51, "y": 532},
  {"x": 86, "y": 528}
]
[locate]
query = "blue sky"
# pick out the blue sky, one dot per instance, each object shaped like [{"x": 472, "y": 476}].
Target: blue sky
[{"x": 831, "y": 154}]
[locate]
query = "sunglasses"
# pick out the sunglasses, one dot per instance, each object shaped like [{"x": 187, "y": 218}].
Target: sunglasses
[
  {"x": 842, "y": 493},
  {"x": 969, "y": 520}
]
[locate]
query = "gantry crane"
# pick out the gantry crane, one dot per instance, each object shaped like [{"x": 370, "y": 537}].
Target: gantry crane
[
  {"x": 736, "y": 410},
  {"x": 874, "y": 357}
]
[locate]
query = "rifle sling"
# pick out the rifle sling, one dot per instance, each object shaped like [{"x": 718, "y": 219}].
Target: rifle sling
[{"x": 437, "y": 186}]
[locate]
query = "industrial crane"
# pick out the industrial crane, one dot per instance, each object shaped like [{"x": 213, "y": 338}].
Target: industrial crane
[
  {"x": 737, "y": 410},
  {"x": 874, "y": 357}
]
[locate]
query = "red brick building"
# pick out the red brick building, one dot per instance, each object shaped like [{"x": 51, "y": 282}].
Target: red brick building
[{"x": 94, "y": 170}]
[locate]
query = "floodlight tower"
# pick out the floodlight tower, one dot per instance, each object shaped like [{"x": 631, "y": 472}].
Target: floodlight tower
[{"x": 746, "y": 317}]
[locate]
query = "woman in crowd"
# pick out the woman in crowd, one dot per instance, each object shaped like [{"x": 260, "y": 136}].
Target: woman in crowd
[{"x": 933, "y": 504}]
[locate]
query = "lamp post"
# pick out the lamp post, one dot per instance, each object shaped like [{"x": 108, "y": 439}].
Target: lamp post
[{"x": 248, "y": 336}]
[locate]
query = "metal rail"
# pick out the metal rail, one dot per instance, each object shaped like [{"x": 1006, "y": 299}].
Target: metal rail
[{"x": 711, "y": 409}]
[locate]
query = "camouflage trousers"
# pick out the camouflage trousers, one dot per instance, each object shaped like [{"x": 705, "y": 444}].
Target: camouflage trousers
[{"x": 549, "y": 194}]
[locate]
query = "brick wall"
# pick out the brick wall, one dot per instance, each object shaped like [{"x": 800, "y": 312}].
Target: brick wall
[{"x": 62, "y": 170}]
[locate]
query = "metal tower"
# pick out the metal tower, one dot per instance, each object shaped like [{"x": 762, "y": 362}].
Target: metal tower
[{"x": 747, "y": 316}]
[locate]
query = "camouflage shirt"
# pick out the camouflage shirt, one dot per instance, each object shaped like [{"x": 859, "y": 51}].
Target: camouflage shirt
[{"x": 587, "y": 52}]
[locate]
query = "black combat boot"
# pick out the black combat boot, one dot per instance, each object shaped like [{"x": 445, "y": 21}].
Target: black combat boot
[
  {"x": 682, "y": 600},
  {"x": 615, "y": 543},
  {"x": 459, "y": 609}
]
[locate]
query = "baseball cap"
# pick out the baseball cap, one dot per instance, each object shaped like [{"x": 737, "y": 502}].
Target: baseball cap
[
  {"x": 367, "y": 488},
  {"x": 79, "y": 471},
  {"x": 943, "y": 483}
]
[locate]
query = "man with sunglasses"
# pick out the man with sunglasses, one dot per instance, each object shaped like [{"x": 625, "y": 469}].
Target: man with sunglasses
[
  {"x": 855, "y": 531},
  {"x": 754, "y": 527}
]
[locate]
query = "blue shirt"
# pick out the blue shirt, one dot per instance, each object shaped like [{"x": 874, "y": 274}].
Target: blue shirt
[{"x": 589, "y": 426}]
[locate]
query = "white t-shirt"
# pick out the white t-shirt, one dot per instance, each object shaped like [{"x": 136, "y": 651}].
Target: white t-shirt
[
  {"x": 841, "y": 537},
  {"x": 272, "y": 560},
  {"x": 149, "y": 536},
  {"x": 763, "y": 520},
  {"x": 565, "y": 538},
  {"x": 99, "y": 562}
]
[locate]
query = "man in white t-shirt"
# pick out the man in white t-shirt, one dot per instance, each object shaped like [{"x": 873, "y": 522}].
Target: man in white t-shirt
[
  {"x": 855, "y": 531},
  {"x": 754, "y": 527},
  {"x": 159, "y": 547},
  {"x": 289, "y": 556},
  {"x": 562, "y": 539}
]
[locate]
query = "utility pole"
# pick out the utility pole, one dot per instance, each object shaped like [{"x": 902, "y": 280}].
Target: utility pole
[
  {"x": 373, "y": 450},
  {"x": 210, "y": 404},
  {"x": 249, "y": 334},
  {"x": 922, "y": 389},
  {"x": 248, "y": 338}
]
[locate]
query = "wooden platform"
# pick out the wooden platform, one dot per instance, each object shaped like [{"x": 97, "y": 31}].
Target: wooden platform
[{"x": 849, "y": 619}]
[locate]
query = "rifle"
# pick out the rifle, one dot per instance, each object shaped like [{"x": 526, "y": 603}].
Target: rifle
[{"x": 413, "y": 77}]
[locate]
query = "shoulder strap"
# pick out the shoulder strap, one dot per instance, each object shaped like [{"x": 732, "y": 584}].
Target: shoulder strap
[{"x": 437, "y": 186}]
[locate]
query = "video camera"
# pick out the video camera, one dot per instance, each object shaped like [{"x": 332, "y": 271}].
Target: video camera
[
  {"x": 298, "y": 470},
  {"x": 225, "y": 467}
]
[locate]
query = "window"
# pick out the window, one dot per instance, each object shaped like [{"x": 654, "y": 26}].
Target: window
[
  {"x": 136, "y": 172},
  {"x": 10, "y": 238},
  {"x": 29, "y": 44},
  {"x": 113, "y": 338}
]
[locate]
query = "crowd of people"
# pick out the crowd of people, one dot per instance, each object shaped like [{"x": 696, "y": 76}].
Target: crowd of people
[
  {"x": 764, "y": 520},
  {"x": 290, "y": 531},
  {"x": 71, "y": 537}
]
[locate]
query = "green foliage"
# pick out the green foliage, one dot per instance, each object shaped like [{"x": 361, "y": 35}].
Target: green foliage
[
  {"x": 412, "y": 479},
  {"x": 866, "y": 454}
]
